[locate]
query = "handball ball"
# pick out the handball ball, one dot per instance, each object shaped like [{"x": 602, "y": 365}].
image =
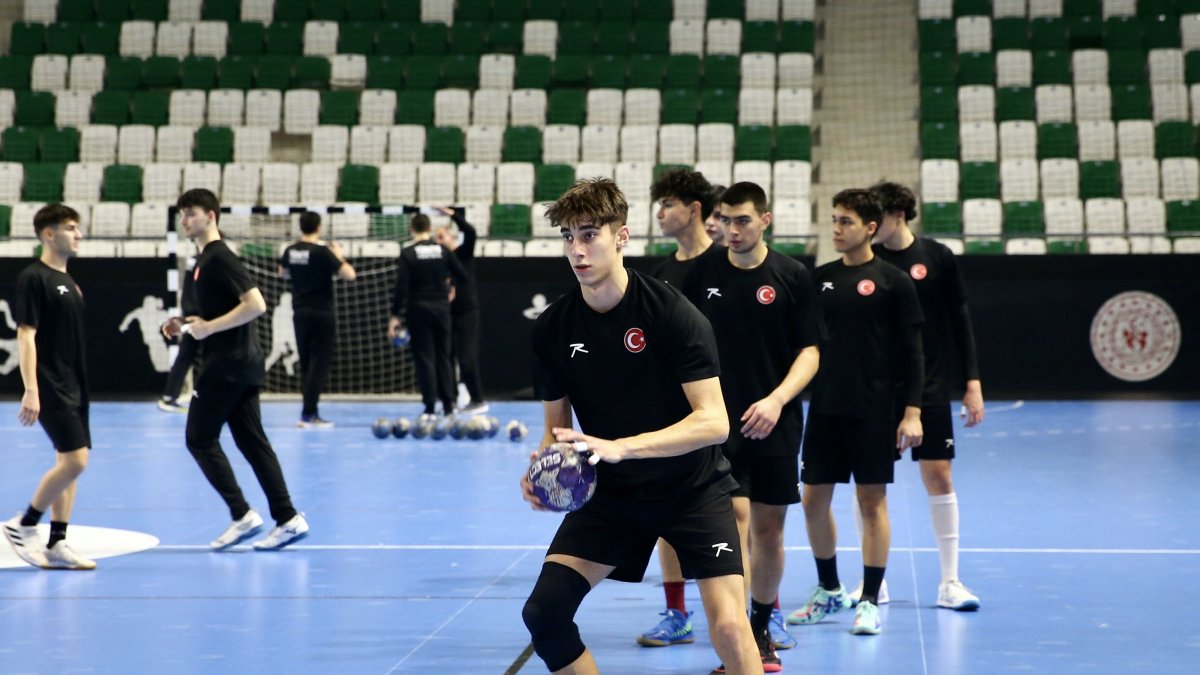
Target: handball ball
[
  {"x": 477, "y": 428},
  {"x": 382, "y": 427},
  {"x": 402, "y": 338},
  {"x": 457, "y": 427},
  {"x": 440, "y": 428},
  {"x": 493, "y": 427},
  {"x": 419, "y": 428},
  {"x": 562, "y": 478},
  {"x": 517, "y": 431},
  {"x": 400, "y": 427}
]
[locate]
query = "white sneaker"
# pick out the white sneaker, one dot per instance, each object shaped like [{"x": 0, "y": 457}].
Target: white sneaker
[
  {"x": 866, "y": 620},
  {"x": 313, "y": 422},
  {"x": 171, "y": 405},
  {"x": 25, "y": 541},
  {"x": 240, "y": 530},
  {"x": 856, "y": 594},
  {"x": 476, "y": 408},
  {"x": 62, "y": 557},
  {"x": 295, "y": 529},
  {"x": 953, "y": 595}
]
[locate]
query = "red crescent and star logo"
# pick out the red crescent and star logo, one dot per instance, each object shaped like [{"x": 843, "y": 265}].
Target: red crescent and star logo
[
  {"x": 918, "y": 271},
  {"x": 635, "y": 340},
  {"x": 866, "y": 287},
  {"x": 765, "y": 295}
]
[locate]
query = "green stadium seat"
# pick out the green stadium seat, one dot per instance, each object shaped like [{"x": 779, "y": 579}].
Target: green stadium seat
[
  {"x": 27, "y": 39},
  {"x": 939, "y": 68},
  {"x": 722, "y": 71},
  {"x": 683, "y": 71},
  {"x": 513, "y": 12},
  {"x": 246, "y": 39},
  {"x": 979, "y": 180},
  {"x": 522, "y": 144},
  {"x": 1123, "y": 32},
  {"x": 356, "y": 38},
  {"x": 533, "y": 71},
  {"x": 385, "y": 72},
  {"x": 236, "y": 72},
  {"x": 1051, "y": 66},
  {"x": 431, "y": 38},
  {"x": 161, "y": 72},
  {"x": 198, "y": 72},
  {"x": 1057, "y": 140},
  {"x": 213, "y": 144},
  {"x": 1085, "y": 32},
  {"x": 339, "y": 107},
  {"x": 794, "y": 141},
  {"x": 14, "y": 72},
  {"x": 1174, "y": 139},
  {"x": 291, "y": 11},
  {"x": 576, "y": 37},
  {"x": 613, "y": 37},
  {"x": 44, "y": 182},
  {"x": 394, "y": 39},
  {"x": 718, "y": 106},
  {"x": 1065, "y": 246},
  {"x": 5, "y": 220},
  {"x": 680, "y": 106},
  {"x": 937, "y": 35},
  {"x": 983, "y": 247},
  {"x": 60, "y": 145},
  {"x": 360, "y": 183},
  {"x": 1127, "y": 66},
  {"x": 618, "y": 10},
  {"x": 651, "y": 37},
  {"x": 111, "y": 106},
  {"x": 972, "y": 8},
  {"x": 510, "y": 220},
  {"x": 941, "y": 218},
  {"x": 20, "y": 144},
  {"x": 328, "y": 10},
  {"x": 150, "y": 107},
  {"x": 1010, "y": 33},
  {"x": 284, "y": 38},
  {"x": 62, "y": 38},
  {"x": 939, "y": 140},
  {"x": 414, "y": 106},
  {"x": 580, "y": 11},
  {"x": 571, "y": 70},
  {"x": 34, "y": 109},
  {"x": 1015, "y": 103},
  {"x": 976, "y": 68},
  {"x": 543, "y": 10},
  {"x": 1099, "y": 179},
  {"x": 754, "y": 142},
  {"x": 797, "y": 36},
  {"x": 1156, "y": 7},
  {"x": 273, "y": 72},
  {"x": 100, "y": 38},
  {"x": 1023, "y": 219},
  {"x": 1183, "y": 217},
  {"x": 228, "y": 11},
  {"x": 1081, "y": 8},
  {"x": 473, "y": 10},
  {"x": 939, "y": 104},
  {"x": 401, "y": 10},
  {"x": 461, "y": 71},
  {"x": 444, "y": 144},
  {"x": 551, "y": 181},
  {"x": 505, "y": 37},
  {"x": 794, "y": 249},
  {"x": 726, "y": 9},
  {"x": 310, "y": 72},
  {"x": 655, "y": 10},
  {"x": 1131, "y": 102},
  {"x": 77, "y": 10},
  {"x": 146, "y": 10},
  {"x": 1161, "y": 31},
  {"x": 1048, "y": 33},
  {"x": 122, "y": 183},
  {"x": 566, "y": 106},
  {"x": 647, "y": 71},
  {"x": 469, "y": 37},
  {"x": 610, "y": 71},
  {"x": 760, "y": 36}
]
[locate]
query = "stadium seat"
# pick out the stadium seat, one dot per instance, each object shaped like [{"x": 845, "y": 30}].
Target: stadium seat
[
  {"x": 359, "y": 183},
  {"x": 122, "y": 183},
  {"x": 551, "y": 181},
  {"x": 214, "y": 144}
]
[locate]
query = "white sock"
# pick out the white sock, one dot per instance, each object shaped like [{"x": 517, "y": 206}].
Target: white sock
[{"x": 943, "y": 510}]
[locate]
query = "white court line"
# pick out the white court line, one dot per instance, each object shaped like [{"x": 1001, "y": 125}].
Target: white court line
[{"x": 542, "y": 547}]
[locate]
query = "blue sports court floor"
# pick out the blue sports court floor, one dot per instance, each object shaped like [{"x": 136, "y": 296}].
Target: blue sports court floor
[{"x": 1079, "y": 528}]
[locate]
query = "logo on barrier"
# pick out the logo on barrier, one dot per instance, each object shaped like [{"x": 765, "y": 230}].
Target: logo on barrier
[{"x": 1135, "y": 336}]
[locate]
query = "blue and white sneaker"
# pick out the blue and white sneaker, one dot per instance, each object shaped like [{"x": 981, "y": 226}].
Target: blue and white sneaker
[
  {"x": 866, "y": 619},
  {"x": 240, "y": 530},
  {"x": 953, "y": 595},
  {"x": 674, "y": 629},
  {"x": 295, "y": 529},
  {"x": 780, "y": 637},
  {"x": 820, "y": 604}
]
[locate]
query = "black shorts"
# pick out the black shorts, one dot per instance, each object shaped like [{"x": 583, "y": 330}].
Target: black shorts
[
  {"x": 836, "y": 448},
  {"x": 67, "y": 427},
  {"x": 767, "y": 480},
  {"x": 938, "y": 426},
  {"x": 623, "y": 533}
]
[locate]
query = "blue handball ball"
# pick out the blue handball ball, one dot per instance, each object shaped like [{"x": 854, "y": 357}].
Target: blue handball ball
[
  {"x": 402, "y": 338},
  {"x": 420, "y": 427},
  {"x": 401, "y": 427},
  {"x": 562, "y": 478},
  {"x": 440, "y": 429},
  {"x": 477, "y": 428},
  {"x": 382, "y": 427},
  {"x": 493, "y": 427},
  {"x": 458, "y": 428},
  {"x": 517, "y": 431}
]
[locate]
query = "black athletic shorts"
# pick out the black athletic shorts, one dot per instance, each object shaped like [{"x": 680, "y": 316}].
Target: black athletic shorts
[
  {"x": 767, "y": 480},
  {"x": 836, "y": 448},
  {"x": 622, "y": 533},
  {"x": 938, "y": 425},
  {"x": 67, "y": 427}
]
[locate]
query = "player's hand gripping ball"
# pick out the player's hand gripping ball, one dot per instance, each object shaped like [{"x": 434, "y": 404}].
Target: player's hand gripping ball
[
  {"x": 517, "y": 431},
  {"x": 382, "y": 427},
  {"x": 561, "y": 477},
  {"x": 400, "y": 427}
]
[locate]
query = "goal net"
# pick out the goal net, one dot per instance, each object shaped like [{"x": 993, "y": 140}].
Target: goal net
[{"x": 365, "y": 363}]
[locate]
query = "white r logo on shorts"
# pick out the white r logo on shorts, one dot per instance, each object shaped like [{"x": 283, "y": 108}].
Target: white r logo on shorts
[{"x": 721, "y": 547}]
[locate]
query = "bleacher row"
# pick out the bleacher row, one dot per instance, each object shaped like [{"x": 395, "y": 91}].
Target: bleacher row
[{"x": 1061, "y": 125}]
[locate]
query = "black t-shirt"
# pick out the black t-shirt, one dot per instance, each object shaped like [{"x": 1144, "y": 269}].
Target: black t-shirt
[
  {"x": 232, "y": 355},
  {"x": 762, "y": 318},
  {"x": 623, "y": 372},
  {"x": 466, "y": 297},
  {"x": 423, "y": 274},
  {"x": 51, "y": 302},
  {"x": 934, "y": 271},
  {"x": 871, "y": 313},
  {"x": 311, "y": 268},
  {"x": 674, "y": 271}
]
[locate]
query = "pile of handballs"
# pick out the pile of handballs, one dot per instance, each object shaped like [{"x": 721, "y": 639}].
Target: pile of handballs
[{"x": 475, "y": 427}]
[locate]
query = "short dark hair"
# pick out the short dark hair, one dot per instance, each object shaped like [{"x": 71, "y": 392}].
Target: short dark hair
[
  {"x": 686, "y": 186},
  {"x": 863, "y": 202},
  {"x": 896, "y": 198},
  {"x": 745, "y": 191},
  {"x": 310, "y": 222},
  {"x": 205, "y": 199},
  {"x": 52, "y": 215},
  {"x": 419, "y": 223},
  {"x": 595, "y": 200},
  {"x": 710, "y": 201}
]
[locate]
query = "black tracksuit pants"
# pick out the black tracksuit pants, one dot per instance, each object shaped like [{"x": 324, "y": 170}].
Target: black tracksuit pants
[
  {"x": 466, "y": 351},
  {"x": 316, "y": 332},
  {"x": 429, "y": 324},
  {"x": 188, "y": 348}
]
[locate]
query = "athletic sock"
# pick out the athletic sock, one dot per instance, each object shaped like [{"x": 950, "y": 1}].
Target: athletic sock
[
  {"x": 827, "y": 572},
  {"x": 775, "y": 605},
  {"x": 760, "y": 616},
  {"x": 31, "y": 517},
  {"x": 872, "y": 580},
  {"x": 58, "y": 532},
  {"x": 674, "y": 592},
  {"x": 943, "y": 511}
]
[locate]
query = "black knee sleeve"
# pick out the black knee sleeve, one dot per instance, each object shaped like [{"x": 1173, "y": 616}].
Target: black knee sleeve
[{"x": 549, "y": 614}]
